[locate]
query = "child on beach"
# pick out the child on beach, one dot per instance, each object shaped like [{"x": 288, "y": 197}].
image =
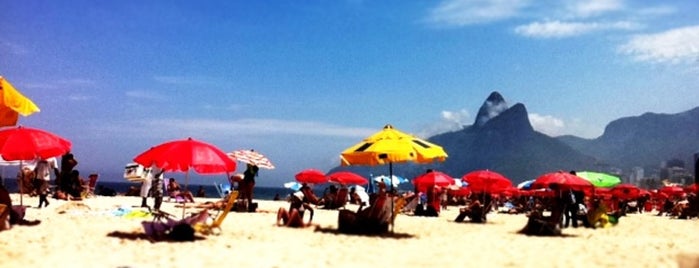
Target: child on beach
[{"x": 294, "y": 216}]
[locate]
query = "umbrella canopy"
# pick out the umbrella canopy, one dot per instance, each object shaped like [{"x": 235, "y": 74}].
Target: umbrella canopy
[
  {"x": 252, "y": 157},
  {"x": 311, "y": 176},
  {"x": 181, "y": 155},
  {"x": 293, "y": 185},
  {"x": 626, "y": 191},
  {"x": 23, "y": 143},
  {"x": 599, "y": 179},
  {"x": 393, "y": 180},
  {"x": 486, "y": 180},
  {"x": 13, "y": 103},
  {"x": 29, "y": 144},
  {"x": 346, "y": 177},
  {"x": 564, "y": 179},
  {"x": 525, "y": 185},
  {"x": 431, "y": 179},
  {"x": 392, "y": 146},
  {"x": 672, "y": 190}
]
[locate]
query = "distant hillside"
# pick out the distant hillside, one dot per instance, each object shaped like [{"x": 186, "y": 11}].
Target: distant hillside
[
  {"x": 508, "y": 144},
  {"x": 644, "y": 140},
  {"x": 503, "y": 140}
]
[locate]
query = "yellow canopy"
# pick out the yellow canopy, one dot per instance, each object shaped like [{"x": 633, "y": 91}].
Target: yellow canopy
[
  {"x": 13, "y": 103},
  {"x": 392, "y": 146}
]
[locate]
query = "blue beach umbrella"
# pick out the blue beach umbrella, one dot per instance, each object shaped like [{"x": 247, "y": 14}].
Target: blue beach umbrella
[
  {"x": 293, "y": 185},
  {"x": 525, "y": 185}
]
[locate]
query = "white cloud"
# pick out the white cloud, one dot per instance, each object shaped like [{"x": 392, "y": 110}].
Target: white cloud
[
  {"x": 467, "y": 12},
  {"x": 79, "y": 97},
  {"x": 554, "y": 127},
  {"x": 657, "y": 11},
  {"x": 188, "y": 80},
  {"x": 13, "y": 48},
  {"x": 559, "y": 29},
  {"x": 680, "y": 45},
  {"x": 590, "y": 8},
  {"x": 450, "y": 121},
  {"x": 142, "y": 94},
  {"x": 68, "y": 84},
  {"x": 547, "y": 124},
  {"x": 257, "y": 127}
]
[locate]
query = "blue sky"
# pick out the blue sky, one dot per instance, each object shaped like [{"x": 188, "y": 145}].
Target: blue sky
[{"x": 300, "y": 81}]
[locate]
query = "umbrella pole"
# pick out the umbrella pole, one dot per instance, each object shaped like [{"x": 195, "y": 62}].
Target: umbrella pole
[
  {"x": 21, "y": 178},
  {"x": 390, "y": 176},
  {"x": 186, "y": 187}
]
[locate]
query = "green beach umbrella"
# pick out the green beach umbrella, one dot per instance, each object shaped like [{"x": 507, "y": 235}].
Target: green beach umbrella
[{"x": 599, "y": 179}]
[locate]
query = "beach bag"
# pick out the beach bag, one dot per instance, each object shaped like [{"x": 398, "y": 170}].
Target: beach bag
[
  {"x": 582, "y": 209},
  {"x": 182, "y": 232},
  {"x": 571, "y": 197}
]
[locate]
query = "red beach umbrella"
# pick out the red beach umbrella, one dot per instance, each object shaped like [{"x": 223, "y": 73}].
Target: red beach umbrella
[
  {"x": 346, "y": 177},
  {"x": 252, "y": 157},
  {"x": 433, "y": 178},
  {"x": 311, "y": 176},
  {"x": 28, "y": 144},
  {"x": 23, "y": 143},
  {"x": 626, "y": 191},
  {"x": 183, "y": 155},
  {"x": 672, "y": 190},
  {"x": 486, "y": 180},
  {"x": 564, "y": 179}
]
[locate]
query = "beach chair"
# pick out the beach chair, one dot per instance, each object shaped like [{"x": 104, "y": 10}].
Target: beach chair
[
  {"x": 4, "y": 217},
  {"x": 215, "y": 227},
  {"x": 341, "y": 198},
  {"x": 398, "y": 206},
  {"x": 89, "y": 188}
]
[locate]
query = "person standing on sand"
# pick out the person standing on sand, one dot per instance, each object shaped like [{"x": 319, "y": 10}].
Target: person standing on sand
[
  {"x": 63, "y": 181},
  {"x": 42, "y": 177},
  {"x": 146, "y": 185},
  {"x": 158, "y": 184},
  {"x": 249, "y": 182}
]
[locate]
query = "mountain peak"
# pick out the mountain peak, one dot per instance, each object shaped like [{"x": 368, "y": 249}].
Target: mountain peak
[{"x": 492, "y": 107}]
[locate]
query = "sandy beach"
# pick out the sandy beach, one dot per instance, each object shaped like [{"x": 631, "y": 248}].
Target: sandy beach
[{"x": 82, "y": 234}]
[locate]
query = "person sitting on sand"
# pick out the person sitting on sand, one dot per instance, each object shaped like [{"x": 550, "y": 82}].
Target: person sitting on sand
[
  {"x": 9, "y": 214},
  {"x": 538, "y": 224},
  {"x": 474, "y": 211},
  {"x": 329, "y": 197},
  {"x": 294, "y": 216},
  {"x": 165, "y": 227},
  {"x": 174, "y": 190},
  {"x": 374, "y": 219}
]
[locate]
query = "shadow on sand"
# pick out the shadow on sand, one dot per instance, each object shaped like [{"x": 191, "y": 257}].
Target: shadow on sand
[{"x": 386, "y": 235}]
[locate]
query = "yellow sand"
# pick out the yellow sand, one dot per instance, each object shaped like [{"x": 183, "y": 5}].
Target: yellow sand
[{"x": 75, "y": 234}]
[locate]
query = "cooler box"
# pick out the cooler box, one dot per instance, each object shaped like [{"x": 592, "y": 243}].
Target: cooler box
[{"x": 134, "y": 172}]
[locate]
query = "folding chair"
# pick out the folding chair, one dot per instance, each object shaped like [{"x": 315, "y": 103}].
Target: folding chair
[
  {"x": 215, "y": 226},
  {"x": 89, "y": 188}
]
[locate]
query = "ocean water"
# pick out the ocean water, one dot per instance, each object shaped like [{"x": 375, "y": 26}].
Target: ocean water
[{"x": 261, "y": 193}]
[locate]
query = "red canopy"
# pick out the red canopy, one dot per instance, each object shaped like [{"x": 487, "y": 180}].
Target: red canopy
[
  {"x": 311, "y": 176},
  {"x": 433, "y": 178},
  {"x": 346, "y": 177},
  {"x": 486, "y": 180},
  {"x": 23, "y": 143},
  {"x": 564, "y": 179},
  {"x": 181, "y": 155},
  {"x": 626, "y": 191}
]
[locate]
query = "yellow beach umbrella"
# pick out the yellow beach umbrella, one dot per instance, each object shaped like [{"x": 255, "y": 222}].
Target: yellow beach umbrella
[
  {"x": 13, "y": 103},
  {"x": 392, "y": 146}
]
